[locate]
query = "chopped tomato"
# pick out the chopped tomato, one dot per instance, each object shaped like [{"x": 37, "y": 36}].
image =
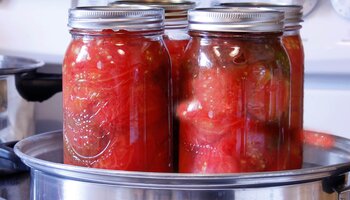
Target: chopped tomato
[
  {"x": 205, "y": 125},
  {"x": 235, "y": 108},
  {"x": 268, "y": 92},
  {"x": 116, "y": 102},
  {"x": 218, "y": 90},
  {"x": 207, "y": 158}
]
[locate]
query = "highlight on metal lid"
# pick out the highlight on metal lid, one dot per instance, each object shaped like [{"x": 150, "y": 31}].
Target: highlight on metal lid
[
  {"x": 120, "y": 17},
  {"x": 175, "y": 11},
  {"x": 226, "y": 19},
  {"x": 293, "y": 13}
]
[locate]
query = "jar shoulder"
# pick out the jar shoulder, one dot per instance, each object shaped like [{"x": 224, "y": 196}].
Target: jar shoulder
[{"x": 228, "y": 52}]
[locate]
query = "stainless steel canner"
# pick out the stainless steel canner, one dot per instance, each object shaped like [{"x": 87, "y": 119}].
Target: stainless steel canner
[{"x": 323, "y": 177}]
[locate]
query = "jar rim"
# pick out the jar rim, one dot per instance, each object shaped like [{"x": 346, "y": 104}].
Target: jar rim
[
  {"x": 293, "y": 13},
  {"x": 122, "y": 17},
  {"x": 175, "y": 11},
  {"x": 228, "y": 19}
]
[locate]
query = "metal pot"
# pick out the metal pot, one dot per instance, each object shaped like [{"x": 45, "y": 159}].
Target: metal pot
[
  {"x": 324, "y": 177},
  {"x": 20, "y": 86}
]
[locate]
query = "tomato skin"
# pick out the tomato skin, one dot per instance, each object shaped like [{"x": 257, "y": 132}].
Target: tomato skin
[
  {"x": 268, "y": 92},
  {"x": 199, "y": 156},
  {"x": 235, "y": 104},
  {"x": 116, "y": 102}
]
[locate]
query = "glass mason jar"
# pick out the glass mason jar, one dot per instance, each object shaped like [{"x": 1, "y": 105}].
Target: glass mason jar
[
  {"x": 176, "y": 39},
  {"x": 116, "y": 90},
  {"x": 235, "y": 98},
  {"x": 292, "y": 42}
]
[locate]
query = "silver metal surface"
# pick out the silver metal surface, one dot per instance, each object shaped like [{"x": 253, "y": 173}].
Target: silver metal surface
[
  {"x": 16, "y": 114},
  {"x": 175, "y": 11},
  {"x": 13, "y": 65},
  {"x": 325, "y": 171},
  {"x": 293, "y": 13},
  {"x": 119, "y": 17},
  {"x": 227, "y": 19}
]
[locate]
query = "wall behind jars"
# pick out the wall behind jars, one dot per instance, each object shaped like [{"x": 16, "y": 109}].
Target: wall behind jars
[
  {"x": 326, "y": 37},
  {"x": 34, "y": 28}
]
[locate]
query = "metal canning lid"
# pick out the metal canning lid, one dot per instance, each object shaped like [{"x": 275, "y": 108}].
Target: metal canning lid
[
  {"x": 225, "y": 19},
  {"x": 175, "y": 11},
  {"x": 122, "y": 17},
  {"x": 293, "y": 13}
]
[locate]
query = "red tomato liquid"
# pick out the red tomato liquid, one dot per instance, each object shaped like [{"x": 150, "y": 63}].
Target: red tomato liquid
[
  {"x": 234, "y": 112},
  {"x": 176, "y": 50},
  {"x": 116, "y": 103},
  {"x": 294, "y": 47}
]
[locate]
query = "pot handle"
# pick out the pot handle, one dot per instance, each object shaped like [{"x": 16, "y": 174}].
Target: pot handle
[
  {"x": 10, "y": 163},
  {"x": 342, "y": 190},
  {"x": 337, "y": 183},
  {"x": 35, "y": 86}
]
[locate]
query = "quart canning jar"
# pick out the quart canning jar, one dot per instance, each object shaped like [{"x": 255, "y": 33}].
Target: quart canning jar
[
  {"x": 176, "y": 39},
  {"x": 235, "y": 98},
  {"x": 116, "y": 90},
  {"x": 292, "y": 42}
]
